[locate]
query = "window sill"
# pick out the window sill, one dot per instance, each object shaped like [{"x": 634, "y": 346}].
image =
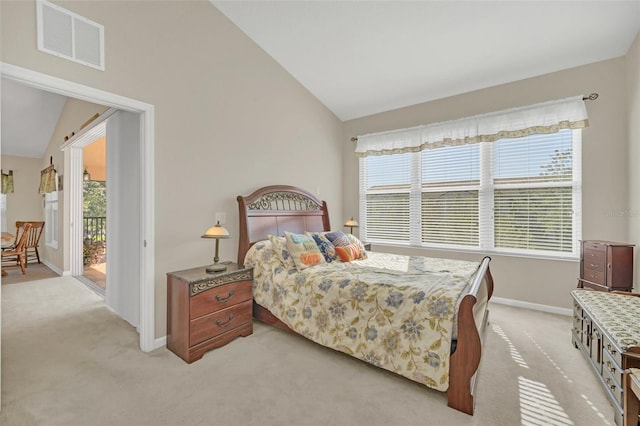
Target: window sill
[{"x": 380, "y": 247}]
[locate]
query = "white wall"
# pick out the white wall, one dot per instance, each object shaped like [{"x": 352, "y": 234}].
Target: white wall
[
  {"x": 604, "y": 151},
  {"x": 228, "y": 118}
]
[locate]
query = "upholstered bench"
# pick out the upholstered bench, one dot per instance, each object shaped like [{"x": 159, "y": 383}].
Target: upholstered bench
[{"x": 606, "y": 328}]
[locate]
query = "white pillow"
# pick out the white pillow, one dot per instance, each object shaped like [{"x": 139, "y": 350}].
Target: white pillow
[
  {"x": 303, "y": 250},
  {"x": 279, "y": 245}
]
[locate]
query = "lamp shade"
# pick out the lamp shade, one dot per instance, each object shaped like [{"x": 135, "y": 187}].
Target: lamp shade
[
  {"x": 351, "y": 223},
  {"x": 216, "y": 231}
]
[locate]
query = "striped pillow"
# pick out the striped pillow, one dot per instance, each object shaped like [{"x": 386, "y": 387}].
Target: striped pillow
[
  {"x": 348, "y": 253},
  {"x": 338, "y": 238}
]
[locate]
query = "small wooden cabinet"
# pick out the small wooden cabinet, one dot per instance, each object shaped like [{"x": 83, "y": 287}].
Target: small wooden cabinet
[
  {"x": 605, "y": 265},
  {"x": 206, "y": 311}
]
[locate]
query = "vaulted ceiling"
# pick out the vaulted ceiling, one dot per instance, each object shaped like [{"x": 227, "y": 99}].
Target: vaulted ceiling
[{"x": 365, "y": 57}]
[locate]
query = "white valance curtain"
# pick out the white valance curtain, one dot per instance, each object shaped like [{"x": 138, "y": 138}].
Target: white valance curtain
[{"x": 546, "y": 117}]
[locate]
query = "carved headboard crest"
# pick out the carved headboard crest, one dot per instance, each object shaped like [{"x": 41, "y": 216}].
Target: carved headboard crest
[
  {"x": 284, "y": 201},
  {"x": 272, "y": 210}
]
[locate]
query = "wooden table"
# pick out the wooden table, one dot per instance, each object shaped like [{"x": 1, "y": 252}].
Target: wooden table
[
  {"x": 7, "y": 239},
  {"x": 631, "y": 389}
]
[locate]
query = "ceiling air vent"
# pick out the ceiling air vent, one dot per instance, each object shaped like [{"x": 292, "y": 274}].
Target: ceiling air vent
[{"x": 68, "y": 35}]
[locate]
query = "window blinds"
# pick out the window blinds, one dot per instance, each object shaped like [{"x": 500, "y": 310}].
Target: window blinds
[{"x": 512, "y": 196}]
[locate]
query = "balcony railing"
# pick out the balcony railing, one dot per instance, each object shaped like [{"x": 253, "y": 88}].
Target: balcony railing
[{"x": 94, "y": 229}]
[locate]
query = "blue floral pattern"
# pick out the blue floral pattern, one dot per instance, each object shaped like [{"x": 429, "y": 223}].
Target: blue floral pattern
[{"x": 395, "y": 312}]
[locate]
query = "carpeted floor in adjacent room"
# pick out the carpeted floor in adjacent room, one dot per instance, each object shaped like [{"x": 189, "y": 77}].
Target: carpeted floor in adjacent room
[{"x": 68, "y": 360}]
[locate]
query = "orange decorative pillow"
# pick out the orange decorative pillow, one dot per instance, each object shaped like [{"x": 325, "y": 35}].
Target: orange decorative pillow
[{"x": 348, "y": 253}]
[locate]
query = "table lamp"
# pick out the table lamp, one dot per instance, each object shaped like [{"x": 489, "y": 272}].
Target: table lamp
[
  {"x": 217, "y": 232},
  {"x": 351, "y": 224}
]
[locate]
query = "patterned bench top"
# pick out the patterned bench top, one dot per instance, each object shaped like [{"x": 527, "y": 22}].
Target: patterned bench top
[{"x": 618, "y": 314}]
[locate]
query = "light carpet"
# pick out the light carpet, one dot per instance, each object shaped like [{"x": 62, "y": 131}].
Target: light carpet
[
  {"x": 33, "y": 272},
  {"x": 68, "y": 360}
]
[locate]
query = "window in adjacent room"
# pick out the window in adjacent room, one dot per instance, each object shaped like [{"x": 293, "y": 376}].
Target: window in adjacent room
[
  {"x": 3, "y": 211},
  {"x": 51, "y": 218}
]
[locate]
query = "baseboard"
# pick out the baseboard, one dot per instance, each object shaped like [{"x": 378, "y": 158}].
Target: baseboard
[
  {"x": 533, "y": 306},
  {"x": 52, "y": 267},
  {"x": 160, "y": 342}
]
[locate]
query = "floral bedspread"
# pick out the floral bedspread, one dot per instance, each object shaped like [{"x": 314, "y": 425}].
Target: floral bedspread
[{"x": 395, "y": 312}]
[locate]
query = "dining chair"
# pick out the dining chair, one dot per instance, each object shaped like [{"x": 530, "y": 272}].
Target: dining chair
[
  {"x": 33, "y": 240},
  {"x": 17, "y": 255},
  {"x": 15, "y": 238}
]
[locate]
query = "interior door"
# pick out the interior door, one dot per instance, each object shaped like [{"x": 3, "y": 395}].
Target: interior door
[{"x": 124, "y": 232}]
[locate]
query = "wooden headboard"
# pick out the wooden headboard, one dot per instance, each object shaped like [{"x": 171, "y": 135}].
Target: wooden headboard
[{"x": 274, "y": 209}]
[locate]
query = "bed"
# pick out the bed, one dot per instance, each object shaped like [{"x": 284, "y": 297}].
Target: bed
[{"x": 400, "y": 302}]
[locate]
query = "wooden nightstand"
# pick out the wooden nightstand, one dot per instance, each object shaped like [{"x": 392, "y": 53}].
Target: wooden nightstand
[{"x": 206, "y": 311}]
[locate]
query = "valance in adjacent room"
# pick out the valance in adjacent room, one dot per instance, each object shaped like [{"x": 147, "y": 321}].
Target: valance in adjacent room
[
  {"x": 546, "y": 117},
  {"x": 47, "y": 180},
  {"x": 7, "y": 182}
]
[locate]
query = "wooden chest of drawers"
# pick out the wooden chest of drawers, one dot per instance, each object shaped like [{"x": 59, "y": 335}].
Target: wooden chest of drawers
[
  {"x": 606, "y": 266},
  {"x": 206, "y": 311}
]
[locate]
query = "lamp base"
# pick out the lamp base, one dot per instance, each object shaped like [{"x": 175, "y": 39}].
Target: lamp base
[{"x": 216, "y": 267}]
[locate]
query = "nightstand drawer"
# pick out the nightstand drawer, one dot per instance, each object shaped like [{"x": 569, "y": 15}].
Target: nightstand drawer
[
  {"x": 220, "y": 322},
  {"x": 220, "y": 298}
]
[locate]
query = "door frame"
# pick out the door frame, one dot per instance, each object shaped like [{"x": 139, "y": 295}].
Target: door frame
[{"x": 146, "y": 112}]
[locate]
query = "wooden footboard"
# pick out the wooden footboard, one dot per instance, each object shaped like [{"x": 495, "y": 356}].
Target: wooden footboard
[{"x": 473, "y": 319}]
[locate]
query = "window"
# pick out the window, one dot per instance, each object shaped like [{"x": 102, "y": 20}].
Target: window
[
  {"x": 3, "y": 211},
  {"x": 513, "y": 195},
  {"x": 51, "y": 219}
]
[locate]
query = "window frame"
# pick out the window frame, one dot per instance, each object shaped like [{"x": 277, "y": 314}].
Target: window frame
[
  {"x": 51, "y": 219},
  {"x": 486, "y": 189}
]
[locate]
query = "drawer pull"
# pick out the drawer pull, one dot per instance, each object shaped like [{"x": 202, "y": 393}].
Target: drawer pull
[
  {"x": 612, "y": 350},
  {"x": 594, "y": 265},
  {"x": 226, "y": 324},
  {"x": 612, "y": 385},
  {"x": 225, "y": 299}
]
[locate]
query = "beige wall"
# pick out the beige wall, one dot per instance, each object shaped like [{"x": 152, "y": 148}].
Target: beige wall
[
  {"x": 228, "y": 118},
  {"x": 633, "y": 117},
  {"x": 25, "y": 203},
  {"x": 604, "y": 151}
]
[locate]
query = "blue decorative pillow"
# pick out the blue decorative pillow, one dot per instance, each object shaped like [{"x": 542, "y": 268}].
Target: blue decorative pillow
[
  {"x": 338, "y": 238},
  {"x": 327, "y": 249}
]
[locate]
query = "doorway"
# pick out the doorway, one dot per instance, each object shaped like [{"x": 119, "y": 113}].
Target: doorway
[
  {"x": 94, "y": 215},
  {"x": 144, "y": 116}
]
